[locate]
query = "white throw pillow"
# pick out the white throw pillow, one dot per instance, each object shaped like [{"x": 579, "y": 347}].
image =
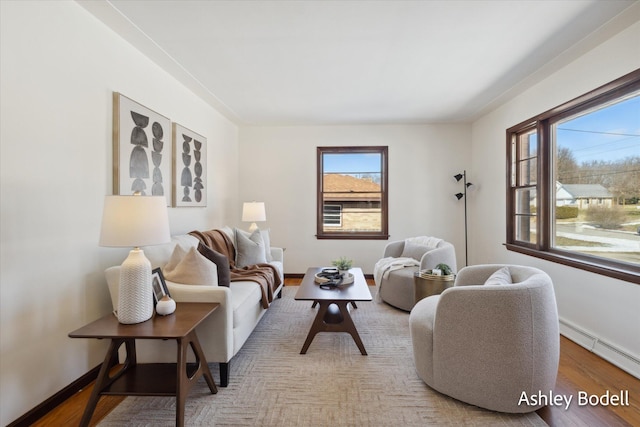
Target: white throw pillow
[
  {"x": 176, "y": 256},
  {"x": 500, "y": 277},
  {"x": 193, "y": 269},
  {"x": 249, "y": 248}
]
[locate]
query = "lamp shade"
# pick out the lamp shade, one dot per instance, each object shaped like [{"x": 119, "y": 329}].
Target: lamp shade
[
  {"x": 131, "y": 221},
  {"x": 253, "y": 212}
]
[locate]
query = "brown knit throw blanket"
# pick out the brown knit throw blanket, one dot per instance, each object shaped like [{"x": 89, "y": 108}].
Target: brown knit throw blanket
[{"x": 266, "y": 275}]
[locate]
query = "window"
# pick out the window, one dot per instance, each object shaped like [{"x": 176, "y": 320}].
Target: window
[
  {"x": 573, "y": 194},
  {"x": 352, "y": 193},
  {"x": 332, "y": 215}
]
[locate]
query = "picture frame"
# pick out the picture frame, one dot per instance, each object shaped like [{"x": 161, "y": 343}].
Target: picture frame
[
  {"x": 158, "y": 285},
  {"x": 189, "y": 167},
  {"x": 141, "y": 150}
]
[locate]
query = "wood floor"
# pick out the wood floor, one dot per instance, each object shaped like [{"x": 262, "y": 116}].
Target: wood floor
[{"x": 580, "y": 371}]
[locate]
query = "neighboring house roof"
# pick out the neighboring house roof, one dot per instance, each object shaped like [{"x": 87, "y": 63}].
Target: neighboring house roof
[
  {"x": 585, "y": 191},
  {"x": 347, "y": 187}
]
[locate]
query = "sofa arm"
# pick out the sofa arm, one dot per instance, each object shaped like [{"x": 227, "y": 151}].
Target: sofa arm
[
  {"x": 216, "y": 332},
  {"x": 112, "y": 274},
  {"x": 393, "y": 249},
  {"x": 277, "y": 254},
  {"x": 200, "y": 293}
]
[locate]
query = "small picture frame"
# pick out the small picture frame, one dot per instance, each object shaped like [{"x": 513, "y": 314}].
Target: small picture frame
[{"x": 158, "y": 285}]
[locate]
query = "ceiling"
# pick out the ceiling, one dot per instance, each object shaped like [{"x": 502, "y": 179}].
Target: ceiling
[{"x": 358, "y": 62}]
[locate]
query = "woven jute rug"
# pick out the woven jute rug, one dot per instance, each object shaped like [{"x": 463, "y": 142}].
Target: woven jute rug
[{"x": 272, "y": 384}]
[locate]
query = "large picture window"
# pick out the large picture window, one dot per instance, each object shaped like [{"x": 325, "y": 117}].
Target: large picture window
[
  {"x": 352, "y": 193},
  {"x": 573, "y": 194}
]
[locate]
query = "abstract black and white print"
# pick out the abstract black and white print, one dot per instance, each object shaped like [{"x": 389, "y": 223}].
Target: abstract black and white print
[
  {"x": 142, "y": 157},
  {"x": 190, "y": 157}
]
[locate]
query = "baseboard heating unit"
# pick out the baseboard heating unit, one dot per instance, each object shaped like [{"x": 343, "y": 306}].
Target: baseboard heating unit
[{"x": 621, "y": 358}]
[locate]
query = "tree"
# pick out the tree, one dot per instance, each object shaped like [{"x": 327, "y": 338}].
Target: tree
[{"x": 568, "y": 171}]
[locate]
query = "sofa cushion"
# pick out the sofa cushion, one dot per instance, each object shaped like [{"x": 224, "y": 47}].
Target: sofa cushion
[
  {"x": 249, "y": 249},
  {"x": 247, "y": 298},
  {"x": 192, "y": 269},
  {"x": 500, "y": 277},
  {"x": 221, "y": 262}
]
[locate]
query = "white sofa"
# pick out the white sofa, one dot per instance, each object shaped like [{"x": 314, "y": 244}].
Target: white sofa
[{"x": 224, "y": 332}]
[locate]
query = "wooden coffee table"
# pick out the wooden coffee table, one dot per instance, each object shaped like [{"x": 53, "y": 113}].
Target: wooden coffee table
[
  {"x": 333, "y": 314},
  {"x": 150, "y": 379}
]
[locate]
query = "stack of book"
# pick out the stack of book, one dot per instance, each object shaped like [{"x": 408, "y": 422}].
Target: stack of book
[{"x": 429, "y": 274}]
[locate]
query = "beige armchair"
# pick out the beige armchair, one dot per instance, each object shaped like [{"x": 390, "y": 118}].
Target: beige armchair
[
  {"x": 393, "y": 274},
  {"x": 487, "y": 344}
]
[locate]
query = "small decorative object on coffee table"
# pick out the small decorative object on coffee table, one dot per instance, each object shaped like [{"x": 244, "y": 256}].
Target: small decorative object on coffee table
[
  {"x": 342, "y": 264},
  {"x": 331, "y": 277},
  {"x": 432, "y": 282}
]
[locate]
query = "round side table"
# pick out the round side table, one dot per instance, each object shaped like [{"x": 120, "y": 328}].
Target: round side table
[{"x": 426, "y": 285}]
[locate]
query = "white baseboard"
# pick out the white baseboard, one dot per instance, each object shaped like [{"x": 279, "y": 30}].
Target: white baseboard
[{"x": 609, "y": 352}]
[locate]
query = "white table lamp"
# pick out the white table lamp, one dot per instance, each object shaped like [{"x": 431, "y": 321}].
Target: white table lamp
[
  {"x": 134, "y": 221},
  {"x": 253, "y": 212}
]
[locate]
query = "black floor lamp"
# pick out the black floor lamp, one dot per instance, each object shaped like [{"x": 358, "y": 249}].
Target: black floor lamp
[{"x": 459, "y": 196}]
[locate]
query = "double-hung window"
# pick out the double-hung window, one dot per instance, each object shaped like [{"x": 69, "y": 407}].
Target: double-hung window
[
  {"x": 352, "y": 193},
  {"x": 573, "y": 191}
]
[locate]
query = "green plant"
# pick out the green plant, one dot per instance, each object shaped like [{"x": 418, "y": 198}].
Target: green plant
[
  {"x": 610, "y": 218},
  {"x": 446, "y": 270},
  {"x": 342, "y": 263},
  {"x": 566, "y": 212}
]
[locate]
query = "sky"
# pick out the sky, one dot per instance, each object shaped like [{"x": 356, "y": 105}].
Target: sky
[
  {"x": 608, "y": 134},
  {"x": 351, "y": 163}
]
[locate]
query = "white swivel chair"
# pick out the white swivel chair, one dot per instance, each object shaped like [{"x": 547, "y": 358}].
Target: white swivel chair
[
  {"x": 396, "y": 286},
  {"x": 488, "y": 343}
]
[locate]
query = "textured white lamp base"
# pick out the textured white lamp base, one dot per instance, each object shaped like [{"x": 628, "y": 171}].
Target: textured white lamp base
[{"x": 135, "y": 296}]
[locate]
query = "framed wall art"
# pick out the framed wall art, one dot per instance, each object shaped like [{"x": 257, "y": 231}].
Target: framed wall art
[
  {"x": 141, "y": 150},
  {"x": 189, "y": 167}
]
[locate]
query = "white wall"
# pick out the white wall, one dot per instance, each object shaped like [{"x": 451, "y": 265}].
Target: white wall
[
  {"x": 422, "y": 162},
  {"x": 59, "y": 66},
  {"x": 604, "y": 307}
]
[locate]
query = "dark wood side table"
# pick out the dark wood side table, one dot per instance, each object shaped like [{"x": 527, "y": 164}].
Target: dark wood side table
[{"x": 150, "y": 379}]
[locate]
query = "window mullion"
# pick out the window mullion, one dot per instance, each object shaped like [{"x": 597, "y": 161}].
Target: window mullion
[{"x": 545, "y": 186}]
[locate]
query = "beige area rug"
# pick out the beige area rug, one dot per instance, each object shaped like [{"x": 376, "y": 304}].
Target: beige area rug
[{"x": 272, "y": 384}]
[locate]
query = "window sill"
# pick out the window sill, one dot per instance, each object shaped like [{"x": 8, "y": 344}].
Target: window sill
[
  {"x": 345, "y": 236},
  {"x": 630, "y": 274}
]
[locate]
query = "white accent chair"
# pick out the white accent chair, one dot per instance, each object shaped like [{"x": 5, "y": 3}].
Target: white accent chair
[
  {"x": 486, "y": 345},
  {"x": 396, "y": 286}
]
